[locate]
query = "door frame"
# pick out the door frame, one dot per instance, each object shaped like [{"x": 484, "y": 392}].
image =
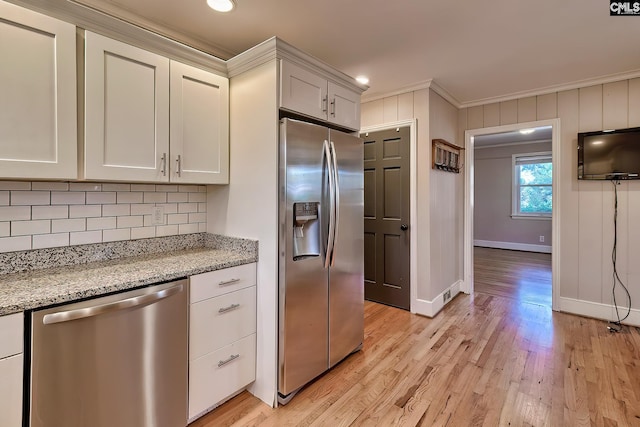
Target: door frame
[
  {"x": 467, "y": 285},
  {"x": 413, "y": 189}
]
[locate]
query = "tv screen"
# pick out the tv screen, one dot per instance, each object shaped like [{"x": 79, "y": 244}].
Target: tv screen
[{"x": 609, "y": 154}]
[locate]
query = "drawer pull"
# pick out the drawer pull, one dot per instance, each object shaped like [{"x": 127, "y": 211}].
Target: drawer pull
[
  {"x": 231, "y": 307},
  {"x": 230, "y": 359},
  {"x": 228, "y": 282}
]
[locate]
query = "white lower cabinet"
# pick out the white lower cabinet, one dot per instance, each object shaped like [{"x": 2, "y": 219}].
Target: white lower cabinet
[
  {"x": 218, "y": 375},
  {"x": 222, "y": 336},
  {"x": 11, "y": 368}
]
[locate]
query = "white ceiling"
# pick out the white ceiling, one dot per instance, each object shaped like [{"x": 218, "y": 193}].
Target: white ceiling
[{"x": 477, "y": 51}]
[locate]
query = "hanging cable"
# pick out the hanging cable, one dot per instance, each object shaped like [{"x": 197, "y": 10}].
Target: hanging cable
[{"x": 616, "y": 277}]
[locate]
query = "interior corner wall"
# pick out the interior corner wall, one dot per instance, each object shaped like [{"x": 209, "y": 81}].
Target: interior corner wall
[
  {"x": 446, "y": 204},
  {"x": 435, "y": 118},
  {"x": 493, "y": 224},
  {"x": 586, "y": 207}
]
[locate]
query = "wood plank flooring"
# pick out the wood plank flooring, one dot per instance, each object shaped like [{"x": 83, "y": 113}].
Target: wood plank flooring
[
  {"x": 484, "y": 360},
  {"x": 525, "y": 276}
]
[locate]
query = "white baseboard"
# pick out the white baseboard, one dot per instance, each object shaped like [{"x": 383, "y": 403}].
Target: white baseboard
[
  {"x": 598, "y": 310},
  {"x": 431, "y": 308},
  {"x": 513, "y": 246}
]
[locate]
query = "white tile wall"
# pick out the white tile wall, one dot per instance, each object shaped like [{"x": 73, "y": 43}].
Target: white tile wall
[{"x": 36, "y": 215}]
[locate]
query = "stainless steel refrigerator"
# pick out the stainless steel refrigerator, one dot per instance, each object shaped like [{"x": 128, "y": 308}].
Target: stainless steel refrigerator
[{"x": 321, "y": 266}]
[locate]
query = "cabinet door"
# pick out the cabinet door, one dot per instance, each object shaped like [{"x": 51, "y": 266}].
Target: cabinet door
[
  {"x": 199, "y": 126},
  {"x": 11, "y": 391},
  {"x": 302, "y": 91},
  {"x": 38, "y": 96},
  {"x": 11, "y": 340},
  {"x": 126, "y": 112},
  {"x": 344, "y": 106}
]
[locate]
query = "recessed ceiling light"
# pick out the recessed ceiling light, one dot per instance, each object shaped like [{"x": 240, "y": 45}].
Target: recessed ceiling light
[
  {"x": 221, "y": 5},
  {"x": 527, "y": 131},
  {"x": 363, "y": 79}
]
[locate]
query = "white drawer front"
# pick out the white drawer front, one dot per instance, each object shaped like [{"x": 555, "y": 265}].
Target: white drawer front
[
  {"x": 11, "y": 391},
  {"x": 11, "y": 334},
  {"x": 219, "y": 321},
  {"x": 219, "y": 282},
  {"x": 220, "y": 374}
]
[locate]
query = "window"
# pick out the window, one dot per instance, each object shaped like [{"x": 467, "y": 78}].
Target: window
[{"x": 532, "y": 185}]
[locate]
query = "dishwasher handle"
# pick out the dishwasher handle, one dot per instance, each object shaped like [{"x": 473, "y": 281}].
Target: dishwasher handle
[{"x": 81, "y": 313}]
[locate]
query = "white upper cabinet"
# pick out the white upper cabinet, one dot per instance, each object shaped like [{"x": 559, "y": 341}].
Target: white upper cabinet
[
  {"x": 126, "y": 112},
  {"x": 312, "y": 94},
  {"x": 149, "y": 119},
  {"x": 303, "y": 91},
  {"x": 344, "y": 106},
  {"x": 37, "y": 96},
  {"x": 199, "y": 126}
]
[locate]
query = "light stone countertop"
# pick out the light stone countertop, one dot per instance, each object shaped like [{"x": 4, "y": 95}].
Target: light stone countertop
[{"x": 44, "y": 287}]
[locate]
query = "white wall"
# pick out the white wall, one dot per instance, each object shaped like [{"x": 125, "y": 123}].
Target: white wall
[
  {"x": 248, "y": 206},
  {"x": 586, "y": 207},
  {"x": 35, "y": 215},
  {"x": 439, "y": 202},
  {"x": 493, "y": 225}
]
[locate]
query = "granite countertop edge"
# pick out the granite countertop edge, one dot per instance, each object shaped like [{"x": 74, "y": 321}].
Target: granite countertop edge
[{"x": 52, "y": 286}]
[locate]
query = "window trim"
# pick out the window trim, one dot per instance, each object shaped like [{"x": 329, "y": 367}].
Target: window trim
[{"x": 515, "y": 186}]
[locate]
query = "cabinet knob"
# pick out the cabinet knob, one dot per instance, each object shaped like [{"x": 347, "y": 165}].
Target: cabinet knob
[{"x": 404, "y": 227}]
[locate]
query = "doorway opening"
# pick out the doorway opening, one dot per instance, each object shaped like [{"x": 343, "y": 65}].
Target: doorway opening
[{"x": 511, "y": 215}]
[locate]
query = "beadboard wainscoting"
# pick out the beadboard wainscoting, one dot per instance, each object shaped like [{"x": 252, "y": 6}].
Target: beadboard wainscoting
[{"x": 36, "y": 215}]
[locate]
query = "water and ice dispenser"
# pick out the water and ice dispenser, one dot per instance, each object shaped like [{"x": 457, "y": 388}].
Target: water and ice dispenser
[{"x": 306, "y": 230}]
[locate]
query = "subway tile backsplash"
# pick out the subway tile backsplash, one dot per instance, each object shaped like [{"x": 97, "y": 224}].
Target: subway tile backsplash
[{"x": 37, "y": 215}]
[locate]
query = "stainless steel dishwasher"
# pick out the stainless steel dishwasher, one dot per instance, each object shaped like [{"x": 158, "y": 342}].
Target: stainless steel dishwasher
[{"x": 119, "y": 360}]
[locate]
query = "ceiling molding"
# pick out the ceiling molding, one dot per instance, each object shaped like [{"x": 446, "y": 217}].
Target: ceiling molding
[
  {"x": 161, "y": 29},
  {"x": 425, "y": 84},
  {"x": 509, "y": 97},
  {"x": 445, "y": 94},
  {"x": 278, "y": 48},
  {"x": 91, "y": 19},
  {"x": 555, "y": 88}
]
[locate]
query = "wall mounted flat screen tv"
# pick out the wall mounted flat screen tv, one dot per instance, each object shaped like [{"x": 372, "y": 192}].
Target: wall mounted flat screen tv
[{"x": 609, "y": 154}]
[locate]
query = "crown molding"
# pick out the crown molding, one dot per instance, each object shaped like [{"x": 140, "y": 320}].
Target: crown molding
[
  {"x": 425, "y": 84},
  {"x": 431, "y": 84},
  {"x": 91, "y": 19},
  {"x": 276, "y": 48},
  {"x": 554, "y": 88}
]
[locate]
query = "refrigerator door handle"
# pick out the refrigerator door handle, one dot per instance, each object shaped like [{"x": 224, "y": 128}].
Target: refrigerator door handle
[
  {"x": 332, "y": 212},
  {"x": 336, "y": 206}
]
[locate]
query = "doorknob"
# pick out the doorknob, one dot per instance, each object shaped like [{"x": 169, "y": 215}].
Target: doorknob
[{"x": 404, "y": 227}]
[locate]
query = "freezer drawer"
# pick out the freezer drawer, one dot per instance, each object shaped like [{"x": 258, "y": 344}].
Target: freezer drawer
[{"x": 119, "y": 361}]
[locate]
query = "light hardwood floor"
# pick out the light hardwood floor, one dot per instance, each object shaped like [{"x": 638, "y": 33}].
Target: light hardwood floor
[
  {"x": 483, "y": 361},
  {"x": 525, "y": 276}
]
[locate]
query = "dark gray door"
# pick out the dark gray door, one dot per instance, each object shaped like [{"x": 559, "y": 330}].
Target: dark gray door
[{"x": 386, "y": 217}]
